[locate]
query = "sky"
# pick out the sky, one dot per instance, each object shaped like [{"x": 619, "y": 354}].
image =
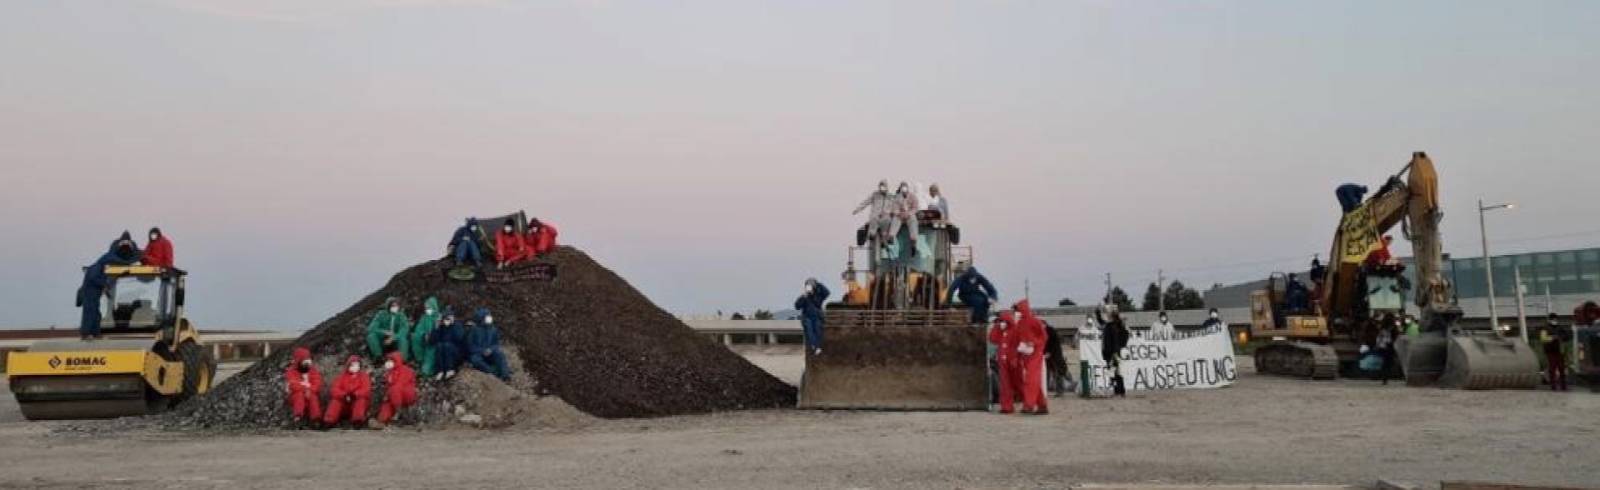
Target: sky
[{"x": 300, "y": 152}]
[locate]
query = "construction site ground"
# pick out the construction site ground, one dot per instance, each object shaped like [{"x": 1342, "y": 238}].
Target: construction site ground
[{"x": 1262, "y": 430}]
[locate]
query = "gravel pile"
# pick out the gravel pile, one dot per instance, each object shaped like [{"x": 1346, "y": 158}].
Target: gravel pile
[{"x": 586, "y": 337}]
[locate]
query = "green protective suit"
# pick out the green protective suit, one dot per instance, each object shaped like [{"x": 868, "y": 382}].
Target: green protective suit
[
  {"x": 387, "y": 327},
  {"x": 421, "y": 348}
]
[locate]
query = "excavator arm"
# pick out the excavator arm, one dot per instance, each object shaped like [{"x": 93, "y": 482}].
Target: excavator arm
[{"x": 1410, "y": 197}]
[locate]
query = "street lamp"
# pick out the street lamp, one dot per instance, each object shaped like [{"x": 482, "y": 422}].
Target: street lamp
[{"x": 1488, "y": 263}]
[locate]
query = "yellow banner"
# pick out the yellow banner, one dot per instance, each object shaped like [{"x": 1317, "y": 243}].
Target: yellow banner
[
  {"x": 1358, "y": 236},
  {"x": 70, "y": 363}
]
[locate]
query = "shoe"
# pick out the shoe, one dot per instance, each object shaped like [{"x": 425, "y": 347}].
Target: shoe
[
  {"x": 375, "y": 425},
  {"x": 1007, "y": 412},
  {"x": 1042, "y": 411},
  {"x": 1027, "y": 411}
]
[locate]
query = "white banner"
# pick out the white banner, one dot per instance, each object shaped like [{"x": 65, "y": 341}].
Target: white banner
[{"x": 1194, "y": 359}]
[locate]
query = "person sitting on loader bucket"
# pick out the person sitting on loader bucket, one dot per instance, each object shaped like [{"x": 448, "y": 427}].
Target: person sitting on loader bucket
[{"x": 976, "y": 292}]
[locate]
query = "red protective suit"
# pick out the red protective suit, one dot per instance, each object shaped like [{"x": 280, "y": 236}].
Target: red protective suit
[
  {"x": 351, "y": 394},
  {"x": 305, "y": 388},
  {"x": 543, "y": 238},
  {"x": 1004, "y": 337},
  {"x": 1030, "y": 331},
  {"x": 510, "y": 248},
  {"x": 158, "y": 252},
  {"x": 400, "y": 389}
]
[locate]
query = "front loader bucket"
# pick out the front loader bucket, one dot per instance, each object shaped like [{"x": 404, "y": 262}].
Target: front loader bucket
[
  {"x": 1488, "y": 361},
  {"x": 897, "y": 360}
]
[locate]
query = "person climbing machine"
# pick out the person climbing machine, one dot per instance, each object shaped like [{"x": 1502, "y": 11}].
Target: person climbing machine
[
  {"x": 1003, "y": 334},
  {"x": 975, "y": 291},
  {"x": 542, "y": 237},
  {"x": 420, "y": 348},
  {"x": 483, "y": 346},
  {"x": 1350, "y": 196},
  {"x": 464, "y": 245},
  {"x": 158, "y": 251},
  {"x": 123, "y": 251},
  {"x": 352, "y": 391},
  {"x": 1031, "y": 339},
  {"x": 399, "y": 389},
  {"x": 510, "y": 248},
  {"x": 304, "y": 383},
  {"x": 810, "y": 305},
  {"x": 449, "y": 346},
  {"x": 387, "y": 331}
]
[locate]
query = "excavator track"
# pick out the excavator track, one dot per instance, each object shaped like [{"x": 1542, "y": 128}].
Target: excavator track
[{"x": 1297, "y": 359}]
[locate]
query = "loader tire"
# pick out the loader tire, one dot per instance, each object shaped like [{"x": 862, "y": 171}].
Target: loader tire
[{"x": 198, "y": 371}]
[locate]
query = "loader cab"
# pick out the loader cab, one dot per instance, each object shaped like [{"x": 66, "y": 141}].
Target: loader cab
[
  {"x": 901, "y": 277},
  {"x": 142, "y": 299},
  {"x": 1273, "y": 316}
]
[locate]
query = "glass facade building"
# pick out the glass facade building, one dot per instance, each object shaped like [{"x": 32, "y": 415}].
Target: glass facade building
[{"x": 1563, "y": 272}]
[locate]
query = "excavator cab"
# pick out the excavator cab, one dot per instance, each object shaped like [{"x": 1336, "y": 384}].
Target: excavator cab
[{"x": 905, "y": 348}]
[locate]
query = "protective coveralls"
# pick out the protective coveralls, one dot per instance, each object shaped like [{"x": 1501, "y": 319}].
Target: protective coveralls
[
  {"x": 509, "y": 247},
  {"x": 387, "y": 330},
  {"x": 304, "y": 382},
  {"x": 449, "y": 345},
  {"x": 903, "y": 211},
  {"x": 1350, "y": 196},
  {"x": 1163, "y": 328},
  {"x": 419, "y": 350},
  {"x": 351, "y": 393},
  {"x": 483, "y": 346},
  {"x": 937, "y": 202},
  {"x": 542, "y": 237},
  {"x": 159, "y": 251},
  {"x": 975, "y": 291},
  {"x": 464, "y": 244},
  {"x": 399, "y": 388},
  {"x": 1003, "y": 334},
  {"x": 810, "y": 305},
  {"x": 1031, "y": 339},
  {"x": 880, "y": 203},
  {"x": 122, "y": 252}
]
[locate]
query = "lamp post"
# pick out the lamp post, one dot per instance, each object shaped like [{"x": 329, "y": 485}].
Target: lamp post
[{"x": 1488, "y": 263}]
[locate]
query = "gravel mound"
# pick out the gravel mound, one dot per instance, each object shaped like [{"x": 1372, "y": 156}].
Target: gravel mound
[{"x": 586, "y": 337}]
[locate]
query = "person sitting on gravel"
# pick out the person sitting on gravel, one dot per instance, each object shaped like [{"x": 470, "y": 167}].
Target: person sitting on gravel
[
  {"x": 352, "y": 391},
  {"x": 305, "y": 388},
  {"x": 510, "y": 248},
  {"x": 541, "y": 237},
  {"x": 387, "y": 331},
  {"x": 483, "y": 346},
  {"x": 399, "y": 389},
  {"x": 449, "y": 342},
  {"x": 464, "y": 244},
  {"x": 419, "y": 351}
]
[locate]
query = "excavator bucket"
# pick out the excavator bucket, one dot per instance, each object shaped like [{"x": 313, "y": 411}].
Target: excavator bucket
[
  {"x": 1469, "y": 360},
  {"x": 897, "y": 360}
]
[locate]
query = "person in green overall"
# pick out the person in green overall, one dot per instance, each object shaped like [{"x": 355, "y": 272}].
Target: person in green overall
[
  {"x": 387, "y": 331},
  {"x": 420, "y": 351}
]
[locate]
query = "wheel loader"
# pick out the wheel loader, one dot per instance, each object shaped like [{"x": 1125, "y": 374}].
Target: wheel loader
[
  {"x": 149, "y": 359},
  {"x": 1321, "y": 339},
  {"x": 904, "y": 348}
]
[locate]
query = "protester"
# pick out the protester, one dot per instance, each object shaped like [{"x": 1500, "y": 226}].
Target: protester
[
  {"x": 1554, "y": 337},
  {"x": 879, "y": 202},
  {"x": 399, "y": 388},
  {"x": 464, "y": 244},
  {"x": 1350, "y": 196},
  {"x": 352, "y": 391},
  {"x": 510, "y": 248},
  {"x": 904, "y": 209},
  {"x": 1387, "y": 332},
  {"x": 1214, "y": 321},
  {"x": 543, "y": 235},
  {"x": 1114, "y": 338},
  {"x": 810, "y": 305},
  {"x": 975, "y": 291},
  {"x": 1318, "y": 272},
  {"x": 1380, "y": 256},
  {"x": 855, "y": 294},
  {"x": 123, "y": 251},
  {"x": 483, "y": 346},
  {"x": 419, "y": 350},
  {"x": 449, "y": 346},
  {"x": 1055, "y": 363},
  {"x": 1031, "y": 338},
  {"x": 1003, "y": 334},
  {"x": 1413, "y": 329},
  {"x": 304, "y": 383},
  {"x": 1296, "y": 298},
  {"x": 937, "y": 202},
  {"x": 1163, "y": 329},
  {"x": 158, "y": 251},
  {"x": 386, "y": 332}
]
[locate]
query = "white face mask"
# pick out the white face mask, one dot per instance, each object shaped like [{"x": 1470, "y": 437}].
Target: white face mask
[
  {"x": 1213, "y": 316},
  {"x": 507, "y": 229},
  {"x": 154, "y": 237},
  {"x": 487, "y": 320},
  {"x": 430, "y": 311},
  {"x": 355, "y": 368},
  {"x": 1163, "y": 319},
  {"x": 388, "y": 364},
  {"x": 394, "y": 309}
]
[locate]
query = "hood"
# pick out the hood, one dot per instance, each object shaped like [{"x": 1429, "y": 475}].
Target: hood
[
  {"x": 432, "y": 303},
  {"x": 480, "y": 314},
  {"x": 125, "y": 238},
  {"x": 395, "y": 356},
  {"x": 352, "y": 359},
  {"x": 390, "y": 301},
  {"x": 449, "y": 313},
  {"x": 301, "y": 354},
  {"x": 1004, "y": 317},
  {"x": 1023, "y": 309}
]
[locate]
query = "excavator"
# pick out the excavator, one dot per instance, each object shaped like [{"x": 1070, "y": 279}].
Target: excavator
[
  {"x": 903, "y": 347},
  {"x": 151, "y": 358},
  {"x": 1321, "y": 339}
]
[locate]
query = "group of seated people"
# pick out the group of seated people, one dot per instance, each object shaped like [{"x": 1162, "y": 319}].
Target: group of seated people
[{"x": 510, "y": 247}]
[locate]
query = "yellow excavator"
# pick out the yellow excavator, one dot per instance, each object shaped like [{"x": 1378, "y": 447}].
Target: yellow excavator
[
  {"x": 1322, "y": 337},
  {"x": 151, "y": 358},
  {"x": 904, "y": 348}
]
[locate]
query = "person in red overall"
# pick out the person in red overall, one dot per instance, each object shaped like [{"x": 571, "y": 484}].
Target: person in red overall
[
  {"x": 1004, "y": 337},
  {"x": 542, "y": 237},
  {"x": 159, "y": 251},
  {"x": 399, "y": 388},
  {"x": 305, "y": 388},
  {"x": 352, "y": 391},
  {"x": 510, "y": 248},
  {"x": 1031, "y": 339}
]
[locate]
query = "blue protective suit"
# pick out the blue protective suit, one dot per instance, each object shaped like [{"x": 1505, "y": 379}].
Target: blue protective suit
[
  {"x": 975, "y": 291},
  {"x": 464, "y": 244},
  {"x": 123, "y": 251},
  {"x": 1350, "y": 196},
  {"x": 810, "y": 306},
  {"x": 483, "y": 347},
  {"x": 449, "y": 343}
]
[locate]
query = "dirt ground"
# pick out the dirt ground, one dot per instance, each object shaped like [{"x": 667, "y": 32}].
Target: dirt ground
[{"x": 1262, "y": 430}]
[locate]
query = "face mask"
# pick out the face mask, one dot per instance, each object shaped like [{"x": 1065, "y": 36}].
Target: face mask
[
  {"x": 1163, "y": 319},
  {"x": 487, "y": 320},
  {"x": 388, "y": 364},
  {"x": 355, "y": 368},
  {"x": 1213, "y": 316},
  {"x": 507, "y": 229},
  {"x": 154, "y": 237},
  {"x": 430, "y": 311},
  {"x": 394, "y": 309}
]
